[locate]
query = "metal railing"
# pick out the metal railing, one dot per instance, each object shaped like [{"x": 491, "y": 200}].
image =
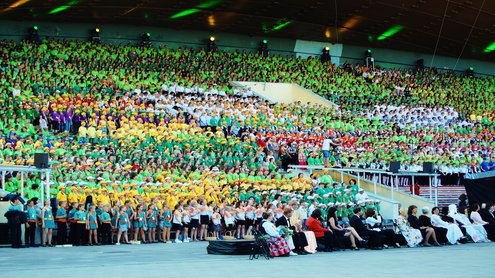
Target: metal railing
[
  {"x": 394, "y": 186},
  {"x": 45, "y": 190}
]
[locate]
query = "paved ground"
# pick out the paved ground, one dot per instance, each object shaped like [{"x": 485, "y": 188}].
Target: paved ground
[{"x": 191, "y": 260}]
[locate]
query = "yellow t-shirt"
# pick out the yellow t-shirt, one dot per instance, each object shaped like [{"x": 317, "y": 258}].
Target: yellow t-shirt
[
  {"x": 92, "y": 132},
  {"x": 83, "y": 132}
]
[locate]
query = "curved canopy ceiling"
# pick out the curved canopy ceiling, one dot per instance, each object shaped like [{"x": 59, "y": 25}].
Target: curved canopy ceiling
[{"x": 469, "y": 26}]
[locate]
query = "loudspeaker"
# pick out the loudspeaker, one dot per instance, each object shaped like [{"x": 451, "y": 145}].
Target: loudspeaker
[
  {"x": 428, "y": 167},
  {"x": 394, "y": 166},
  {"x": 41, "y": 160}
]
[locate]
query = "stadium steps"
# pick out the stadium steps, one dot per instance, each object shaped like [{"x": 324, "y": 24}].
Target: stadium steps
[{"x": 447, "y": 194}]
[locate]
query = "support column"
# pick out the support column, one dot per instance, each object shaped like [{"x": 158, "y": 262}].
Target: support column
[{"x": 22, "y": 184}]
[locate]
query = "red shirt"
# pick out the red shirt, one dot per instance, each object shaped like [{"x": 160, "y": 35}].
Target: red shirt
[{"x": 315, "y": 226}]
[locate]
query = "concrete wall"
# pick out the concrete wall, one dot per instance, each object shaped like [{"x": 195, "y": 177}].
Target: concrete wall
[
  {"x": 118, "y": 33},
  {"x": 389, "y": 58},
  {"x": 305, "y": 49}
]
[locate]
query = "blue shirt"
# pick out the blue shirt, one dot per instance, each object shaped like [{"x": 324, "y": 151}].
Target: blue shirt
[
  {"x": 13, "y": 207},
  {"x": 48, "y": 215},
  {"x": 71, "y": 213},
  {"x": 61, "y": 213},
  {"x": 31, "y": 213},
  {"x": 484, "y": 165},
  {"x": 104, "y": 216},
  {"x": 80, "y": 216}
]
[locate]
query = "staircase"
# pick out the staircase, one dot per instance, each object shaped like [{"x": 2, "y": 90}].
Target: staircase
[{"x": 447, "y": 194}]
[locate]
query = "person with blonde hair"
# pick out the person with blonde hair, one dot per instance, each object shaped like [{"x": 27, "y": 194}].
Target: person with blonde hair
[{"x": 413, "y": 236}]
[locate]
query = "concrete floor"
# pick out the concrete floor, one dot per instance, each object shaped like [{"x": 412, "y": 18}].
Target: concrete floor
[{"x": 191, "y": 260}]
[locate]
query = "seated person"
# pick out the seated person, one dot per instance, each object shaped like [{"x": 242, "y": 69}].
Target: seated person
[
  {"x": 373, "y": 237},
  {"x": 487, "y": 213},
  {"x": 322, "y": 234},
  {"x": 426, "y": 232},
  {"x": 425, "y": 221},
  {"x": 454, "y": 233},
  {"x": 444, "y": 214},
  {"x": 412, "y": 236},
  {"x": 374, "y": 221},
  {"x": 298, "y": 238},
  {"x": 338, "y": 231},
  {"x": 475, "y": 231},
  {"x": 297, "y": 221},
  {"x": 476, "y": 217},
  {"x": 278, "y": 245}
]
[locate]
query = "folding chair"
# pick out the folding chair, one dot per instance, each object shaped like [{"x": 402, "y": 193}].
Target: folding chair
[{"x": 260, "y": 246}]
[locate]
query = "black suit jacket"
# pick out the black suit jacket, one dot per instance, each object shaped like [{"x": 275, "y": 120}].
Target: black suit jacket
[
  {"x": 282, "y": 221},
  {"x": 487, "y": 216},
  {"x": 299, "y": 238},
  {"x": 425, "y": 221},
  {"x": 359, "y": 226}
]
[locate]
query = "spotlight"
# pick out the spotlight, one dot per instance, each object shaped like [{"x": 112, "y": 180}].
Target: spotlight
[
  {"x": 470, "y": 71},
  {"x": 146, "y": 40},
  {"x": 263, "y": 49},
  {"x": 95, "y": 35},
  {"x": 33, "y": 35},
  {"x": 212, "y": 46},
  {"x": 325, "y": 56}
]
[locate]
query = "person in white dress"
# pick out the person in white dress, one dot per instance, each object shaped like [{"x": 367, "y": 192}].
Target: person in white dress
[
  {"x": 413, "y": 236},
  {"x": 477, "y": 219},
  {"x": 475, "y": 231},
  {"x": 454, "y": 233}
]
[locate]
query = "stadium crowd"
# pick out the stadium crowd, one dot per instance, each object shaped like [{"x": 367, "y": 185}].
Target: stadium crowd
[{"x": 152, "y": 137}]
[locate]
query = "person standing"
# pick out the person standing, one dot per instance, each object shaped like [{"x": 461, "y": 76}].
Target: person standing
[
  {"x": 14, "y": 218},
  {"x": 61, "y": 217},
  {"x": 326, "y": 150},
  {"x": 31, "y": 225},
  {"x": 47, "y": 224},
  {"x": 106, "y": 226}
]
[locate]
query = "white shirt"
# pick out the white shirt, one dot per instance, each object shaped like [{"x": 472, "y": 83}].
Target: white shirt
[
  {"x": 303, "y": 212},
  {"x": 270, "y": 229},
  {"x": 438, "y": 222},
  {"x": 476, "y": 217},
  {"x": 326, "y": 144},
  {"x": 372, "y": 221},
  {"x": 16, "y": 92},
  {"x": 361, "y": 197}
]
